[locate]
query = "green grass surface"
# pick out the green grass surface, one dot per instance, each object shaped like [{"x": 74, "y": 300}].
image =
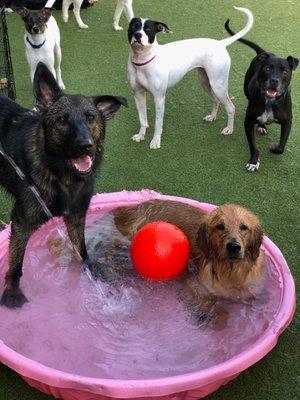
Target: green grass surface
[{"x": 195, "y": 160}]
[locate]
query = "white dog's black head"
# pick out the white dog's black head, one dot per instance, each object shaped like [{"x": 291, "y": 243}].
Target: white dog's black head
[{"x": 142, "y": 32}]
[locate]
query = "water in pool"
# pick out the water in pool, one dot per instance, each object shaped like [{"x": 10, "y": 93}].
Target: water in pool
[{"x": 129, "y": 328}]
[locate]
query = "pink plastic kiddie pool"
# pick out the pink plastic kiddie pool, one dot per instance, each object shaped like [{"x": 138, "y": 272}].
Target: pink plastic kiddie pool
[{"x": 129, "y": 338}]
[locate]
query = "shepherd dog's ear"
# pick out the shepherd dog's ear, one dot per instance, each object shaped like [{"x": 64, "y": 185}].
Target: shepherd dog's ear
[
  {"x": 203, "y": 238},
  {"x": 109, "y": 105},
  {"x": 45, "y": 86}
]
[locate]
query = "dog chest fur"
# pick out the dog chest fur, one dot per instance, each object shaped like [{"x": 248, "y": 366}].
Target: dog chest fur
[{"x": 267, "y": 117}]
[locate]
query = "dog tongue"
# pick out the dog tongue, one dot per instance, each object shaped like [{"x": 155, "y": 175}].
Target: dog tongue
[
  {"x": 83, "y": 163},
  {"x": 271, "y": 93}
]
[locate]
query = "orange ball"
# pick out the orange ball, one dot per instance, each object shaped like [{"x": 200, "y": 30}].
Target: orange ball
[{"x": 160, "y": 251}]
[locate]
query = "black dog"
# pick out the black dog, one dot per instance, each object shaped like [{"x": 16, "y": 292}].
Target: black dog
[
  {"x": 59, "y": 150},
  {"x": 267, "y": 88}
]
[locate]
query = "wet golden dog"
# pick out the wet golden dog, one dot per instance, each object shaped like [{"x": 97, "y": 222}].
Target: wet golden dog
[{"x": 225, "y": 248}]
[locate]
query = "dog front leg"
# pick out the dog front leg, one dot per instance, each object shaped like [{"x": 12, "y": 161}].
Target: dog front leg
[
  {"x": 117, "y": 16},
  {"x": 76, "y": 10},
  {"x": 141, "y": 105},
  {"x": 253, "y": 163},
  {"x": 65, "y": 10},
  {"x": 127, "y": 5},
  {"x": 57, "y": 52},
  {"x": 13, "y": 296},
  {"x": 285, "y": 132},
  {"x": 159, "y": 110},
  {"x": 75, "y": 224}
]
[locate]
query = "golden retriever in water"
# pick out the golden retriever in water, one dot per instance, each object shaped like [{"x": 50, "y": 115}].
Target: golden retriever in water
[{"x": 225, "y": 248}]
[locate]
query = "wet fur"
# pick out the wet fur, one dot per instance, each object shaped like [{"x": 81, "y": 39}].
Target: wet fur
[
  {"x": 42, "y": 145},
  {"x": 216, "y": 275}
]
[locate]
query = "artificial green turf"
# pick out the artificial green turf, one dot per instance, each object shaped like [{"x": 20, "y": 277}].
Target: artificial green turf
[{"x": 195, "y": 160}]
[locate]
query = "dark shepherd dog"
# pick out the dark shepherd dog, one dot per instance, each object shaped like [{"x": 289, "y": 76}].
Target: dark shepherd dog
[
  {"x": 267, "y": 88},
  {"x": 59, "y": 150}
]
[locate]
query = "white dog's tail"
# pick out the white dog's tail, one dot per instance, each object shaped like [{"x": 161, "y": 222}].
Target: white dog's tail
[{"x": 245, "y": 30}]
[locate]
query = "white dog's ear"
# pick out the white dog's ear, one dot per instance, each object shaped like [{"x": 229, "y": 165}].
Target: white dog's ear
[
  {"x": 161, "y": 27},
  {"x": 46, "y": 13},
  {"x": 22, "y": 11}
]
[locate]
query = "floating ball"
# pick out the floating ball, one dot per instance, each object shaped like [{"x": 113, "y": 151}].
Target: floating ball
[{"x": 160, "y": 251}]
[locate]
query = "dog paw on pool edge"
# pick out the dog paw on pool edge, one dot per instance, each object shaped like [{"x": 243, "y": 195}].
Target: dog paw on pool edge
[{"x": 13, "y": 298}]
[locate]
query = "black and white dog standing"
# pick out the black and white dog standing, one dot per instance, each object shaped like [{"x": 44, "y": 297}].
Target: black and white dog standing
[
  {"x": 154, "y": 68},
  {"x": 267, "y": 88}
]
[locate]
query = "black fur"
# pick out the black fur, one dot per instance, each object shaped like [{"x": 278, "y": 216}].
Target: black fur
[
  {"x": 267, "y": 88},
  {"x": 54, "y": 148}
]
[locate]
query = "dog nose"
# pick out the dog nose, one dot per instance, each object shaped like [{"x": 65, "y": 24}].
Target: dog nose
[
  {"x": 233, "y": 247},
  {"x": 138, "y": 36},
  {"x": 274, "y": 81},
  {"x": 85, "y": 145},
  {"x": 35, "y": 29}
]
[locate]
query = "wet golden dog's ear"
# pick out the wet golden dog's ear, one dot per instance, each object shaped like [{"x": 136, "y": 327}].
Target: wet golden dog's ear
[
  {"x": 255, "y": 242},
  {"x": 203, "y": 238}
]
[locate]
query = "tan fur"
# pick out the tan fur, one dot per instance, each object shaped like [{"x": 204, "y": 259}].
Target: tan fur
[
  {"x": 130, "y": 219},
  {"x": 217, "y": 275}
]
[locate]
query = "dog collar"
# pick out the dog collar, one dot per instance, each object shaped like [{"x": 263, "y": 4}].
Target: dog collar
[
  {"x": 35, "y": 46},
  {"x": 274, "y": 102},
  {"x": 142, "y": 64}
]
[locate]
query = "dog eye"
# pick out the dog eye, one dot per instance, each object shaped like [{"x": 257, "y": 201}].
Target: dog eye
[
  {"x": 244, "y": 227},
  {"x": 62, "y": 120},
  {"x": 90, "y": 117},
  {"x": 220, "y": 227}
]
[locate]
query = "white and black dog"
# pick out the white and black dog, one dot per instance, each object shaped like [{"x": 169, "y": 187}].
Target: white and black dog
[
  {"x": 126, "y": 6},
  {"x": 42, "y": 41},
  {"x": 154, "y": 68}
]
